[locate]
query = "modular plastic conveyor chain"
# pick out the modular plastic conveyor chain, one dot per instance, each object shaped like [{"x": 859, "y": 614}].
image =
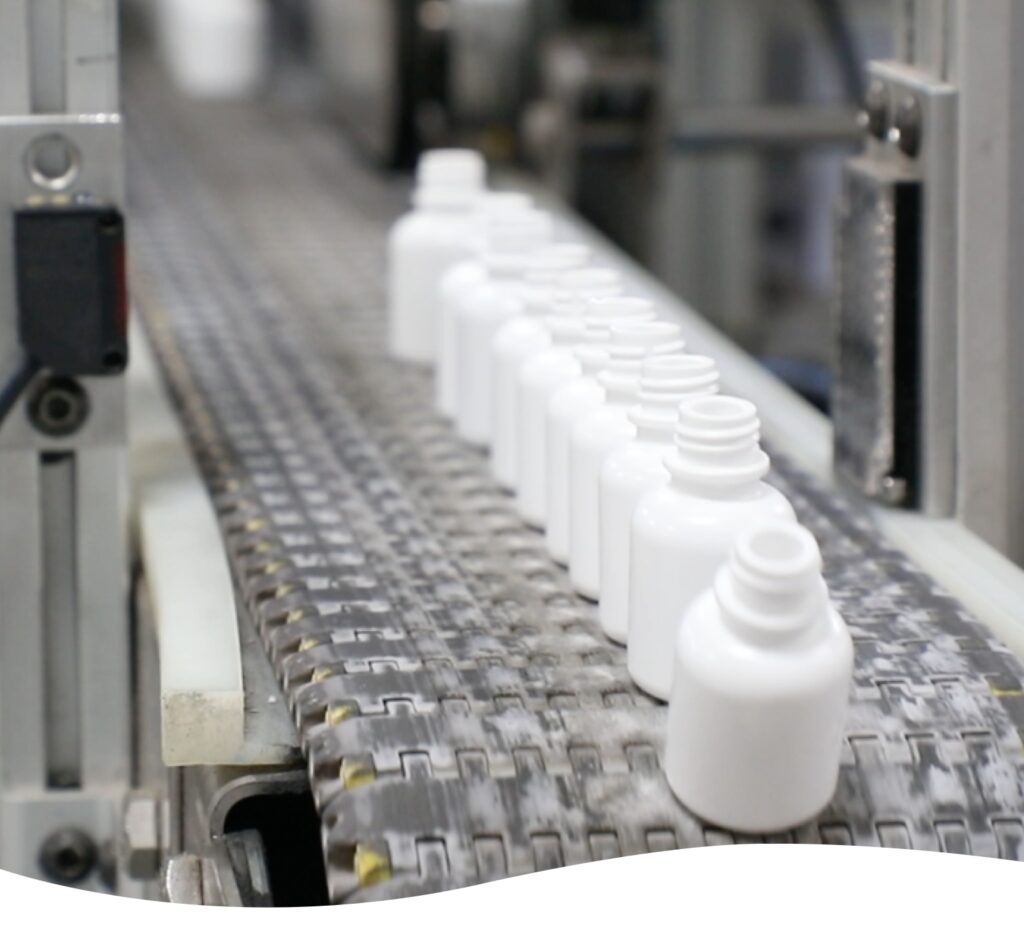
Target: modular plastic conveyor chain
[{"x": 462, "y": 715}]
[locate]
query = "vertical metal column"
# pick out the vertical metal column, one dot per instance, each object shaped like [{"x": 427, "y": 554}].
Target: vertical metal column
[
  {"x": 985, "y": 63},
  {"x": 65, "y": 743}
]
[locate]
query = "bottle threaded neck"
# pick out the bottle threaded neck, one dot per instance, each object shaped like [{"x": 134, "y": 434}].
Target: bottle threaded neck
[
  {"x": 771, "y": 586},
  {"x": 552, "y": 261},
  {"x": 666, "y": 381},
  {"x": 601, "y": 315},
  {"x": 717, "y": 443}
]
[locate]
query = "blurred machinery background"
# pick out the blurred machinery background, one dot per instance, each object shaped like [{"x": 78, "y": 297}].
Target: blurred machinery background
[{"x": 705, "y": 138}]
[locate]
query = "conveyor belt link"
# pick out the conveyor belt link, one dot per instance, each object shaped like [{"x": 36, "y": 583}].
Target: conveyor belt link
[{"x": 462, "y": 715}]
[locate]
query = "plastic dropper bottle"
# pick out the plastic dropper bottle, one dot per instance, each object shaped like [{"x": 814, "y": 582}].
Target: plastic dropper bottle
[
  {"x": 518, "y": 337},
  {"x": 597, "y": 434},
  {"x": 540, "y": 375},
  {"x": 425, "y": 243},
  {"x": 763, "y": 664},
  {"x": 493, "y": 208},
  {"x": 510, "y": 255},
  {"x": 572, "y": 401},
  {"x": 638, "y": 467},
  {"x": 683, "y": 531}
]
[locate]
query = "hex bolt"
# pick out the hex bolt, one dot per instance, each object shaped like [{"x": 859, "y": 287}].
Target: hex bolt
[
  {"x": 892, "y": 491},
  {"x": 875, "y": 116},
  {"x": 67, "y": 856},
  {"x": 908, "y": 125},
  {"x": 59, "y": 407}
]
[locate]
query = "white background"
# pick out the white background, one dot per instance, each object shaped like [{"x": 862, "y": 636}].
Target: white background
[{"x": 791, "y": 888}]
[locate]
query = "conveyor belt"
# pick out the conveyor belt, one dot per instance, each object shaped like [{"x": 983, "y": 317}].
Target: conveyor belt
[{"x": 462, "y": 715}]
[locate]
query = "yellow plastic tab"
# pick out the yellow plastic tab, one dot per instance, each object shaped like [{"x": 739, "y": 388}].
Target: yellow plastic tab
[
  {"x": 356, "y": 773},
  {"x": 371, "y": 867},
  {"x": 337, "y": 713}
]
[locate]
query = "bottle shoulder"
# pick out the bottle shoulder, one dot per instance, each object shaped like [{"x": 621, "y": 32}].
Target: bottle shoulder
[
  {"x": 548, "y": 363},
  {"x": 464, "y": 275},
  {"x": 707, "y": 524},
  {"x": 491, "y": 299},
  {"x": 520, "y": 331},
  {"x": 426, "y": 227},
  {"x": 605, "y": 422},
  {"x": 635, "y": 464},
  {"x": 577, "y": 394},
  {"x": 730, "y": 665}
]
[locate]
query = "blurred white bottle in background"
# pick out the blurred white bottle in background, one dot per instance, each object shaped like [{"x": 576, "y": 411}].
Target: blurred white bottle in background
[
  {"x": 516, "y": 339},
  {"x": 460, "y": 279},
  {"x": 600, "y": 432},
  {"x": 437, "y": 233},
  {"x": 571, "y": 402},
  {"x": 215, "y": 48},
  {"x": 763, "y": 664},
  {"x": 683, "y": 531},
  {"x": 638, "y": 467}
]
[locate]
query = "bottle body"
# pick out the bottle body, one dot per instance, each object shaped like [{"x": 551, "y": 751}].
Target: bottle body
[
  {"x": 678, "y": 541},
  {"x": 540, "y": 377},
  {"x": 591, "y": 441},
  {"x": 627, "y": 475},
  {"x": 763, "y": 665},
  {"x": 423, "y": 245},
  {"x": 456, "y": 283},
  {"x": 517, "y": 339},
  {"x": 572, "y": 402},
  {"x": 479, "y": 317}
]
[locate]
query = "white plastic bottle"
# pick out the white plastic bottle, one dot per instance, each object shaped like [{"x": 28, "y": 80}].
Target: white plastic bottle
[
  {"x": 597, "y": 434},
  {"x": 763, "y": 664},
  {"x": 479, "y": 316},
  {"x": 493, "y": 208},
  {"x": 683, "y": 531},
  {"x": 518, "y": 337},
  {"x": 215, "y": 50},
  {"x": 542, "y": 372},
  {"x": 638, "y": 467},
  {"x": 571, "y": 402},
  {"x": 425, "y": 243}
]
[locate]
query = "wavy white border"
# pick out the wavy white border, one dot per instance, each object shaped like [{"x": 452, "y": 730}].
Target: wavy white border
[{"x": 791, "y": 888}]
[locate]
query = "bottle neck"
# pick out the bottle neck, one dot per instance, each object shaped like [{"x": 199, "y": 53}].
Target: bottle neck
[
  {"x": 652, "y": 432},
  {"x": 778, "y": 596},
  {"x": 621, "y": 386},
  {"x": 733, "y": 478}
]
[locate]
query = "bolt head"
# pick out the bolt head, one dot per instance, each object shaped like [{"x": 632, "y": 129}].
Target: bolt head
[
  {"x": 67, "y": 856},
  {"x": 875, "y": 115},
  {"x": 907, "y": 124}
]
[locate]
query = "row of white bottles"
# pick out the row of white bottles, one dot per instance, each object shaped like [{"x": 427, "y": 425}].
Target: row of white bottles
[
  {"x": 639, "y": 467},
  {"x": 521, "y": 335},
  {"x": 540, "y": 375},
  {"x": 501, "y": 297},
  {"x": 650, "y": 487},
  {"x": 601, "y": 431},
  {"x": 571, "y": 401},
  {"x": 458, "y": 280}
]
